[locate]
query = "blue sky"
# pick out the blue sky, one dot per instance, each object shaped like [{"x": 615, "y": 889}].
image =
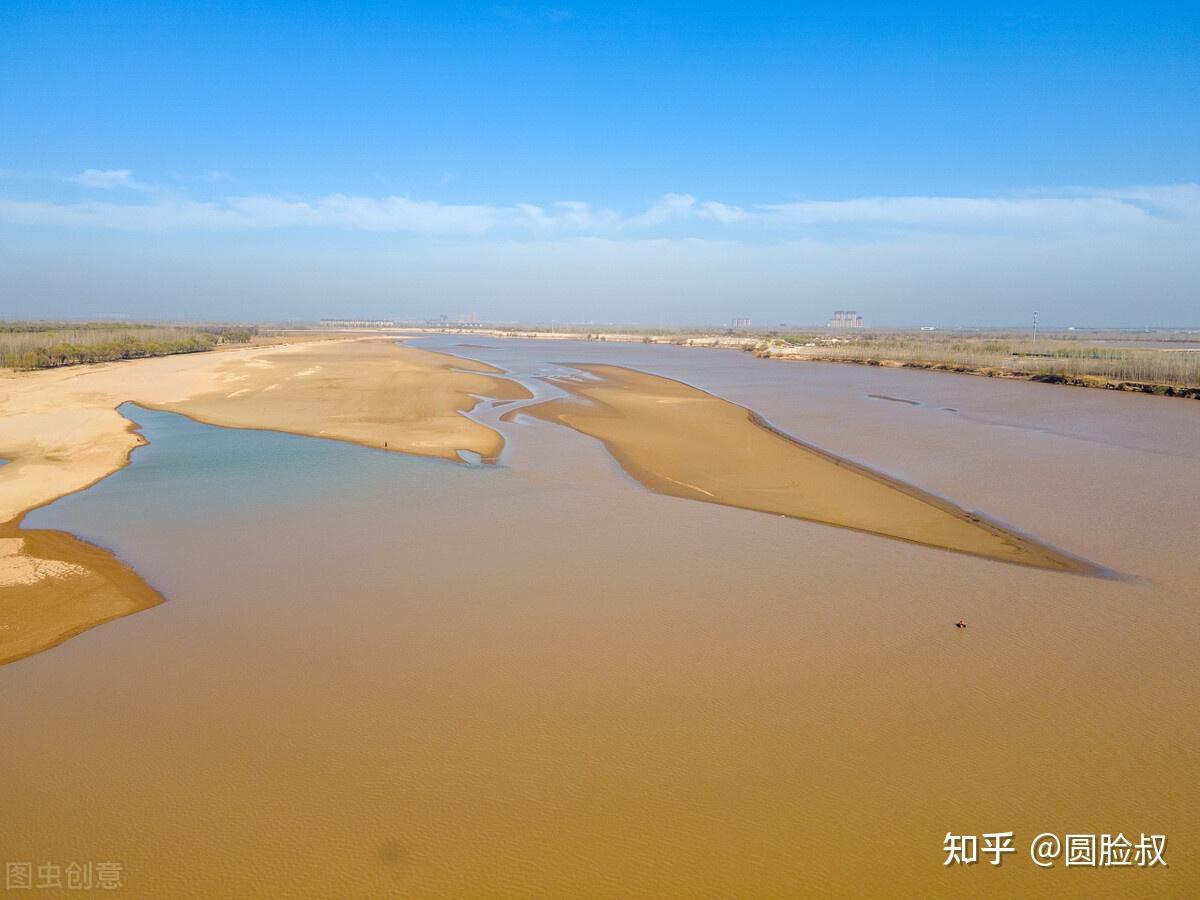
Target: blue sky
[{"x": 956, "y": 163}]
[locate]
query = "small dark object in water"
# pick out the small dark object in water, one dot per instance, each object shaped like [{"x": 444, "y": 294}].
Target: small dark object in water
[{"x": 960, "y": 624}]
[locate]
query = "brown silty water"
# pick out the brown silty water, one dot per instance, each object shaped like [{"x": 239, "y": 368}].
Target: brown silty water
[{"x": 381, "y": 675}]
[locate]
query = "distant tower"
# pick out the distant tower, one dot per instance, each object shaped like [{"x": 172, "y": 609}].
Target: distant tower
[{"x": 1035, "y": 325}]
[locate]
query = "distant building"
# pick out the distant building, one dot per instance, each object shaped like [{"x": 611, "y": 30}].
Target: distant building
[
  {"x": 466, "y": 319},
  {"x": 740, "y": 323},
  {"x": 359, "y": 323},
  {"x": 846, "y": 318}
]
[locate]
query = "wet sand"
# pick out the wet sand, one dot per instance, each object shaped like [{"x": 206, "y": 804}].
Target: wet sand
[
  {"x": 54, "y": 586},
  {"x": 61, "y": 432},
  {"x": 679, "y": 440}
]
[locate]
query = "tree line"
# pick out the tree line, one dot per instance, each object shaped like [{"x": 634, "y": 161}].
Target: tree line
[{"x": 30, "y": 345}]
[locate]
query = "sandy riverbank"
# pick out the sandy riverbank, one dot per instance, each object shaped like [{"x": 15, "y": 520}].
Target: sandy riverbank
[
  {"x": 61, "y": 432},
  {"x": 682, "y": 441}
]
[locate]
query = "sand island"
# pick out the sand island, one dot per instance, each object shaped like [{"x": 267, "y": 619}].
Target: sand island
[{"x": 685, "y": 442}]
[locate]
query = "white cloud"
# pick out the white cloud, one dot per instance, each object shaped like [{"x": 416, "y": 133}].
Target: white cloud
[
  {"x": 669, "y": 208},
  {"x": 514, "y": 13},
  {"x": 565, "y": 215},
  {"x": 340, "y": 211},
  {"x": 953, "y": 212},
  {"x": 106, "y": 179},
  {"x": 1071, "y": 211},
  {"x": 719, "y": 212}
]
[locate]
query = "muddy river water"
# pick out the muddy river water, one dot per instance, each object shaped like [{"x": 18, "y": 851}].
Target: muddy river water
[{"x": 385, "y": 675}]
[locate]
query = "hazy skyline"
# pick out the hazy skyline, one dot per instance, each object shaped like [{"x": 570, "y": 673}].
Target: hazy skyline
[{"x": 587, "y": 162}]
